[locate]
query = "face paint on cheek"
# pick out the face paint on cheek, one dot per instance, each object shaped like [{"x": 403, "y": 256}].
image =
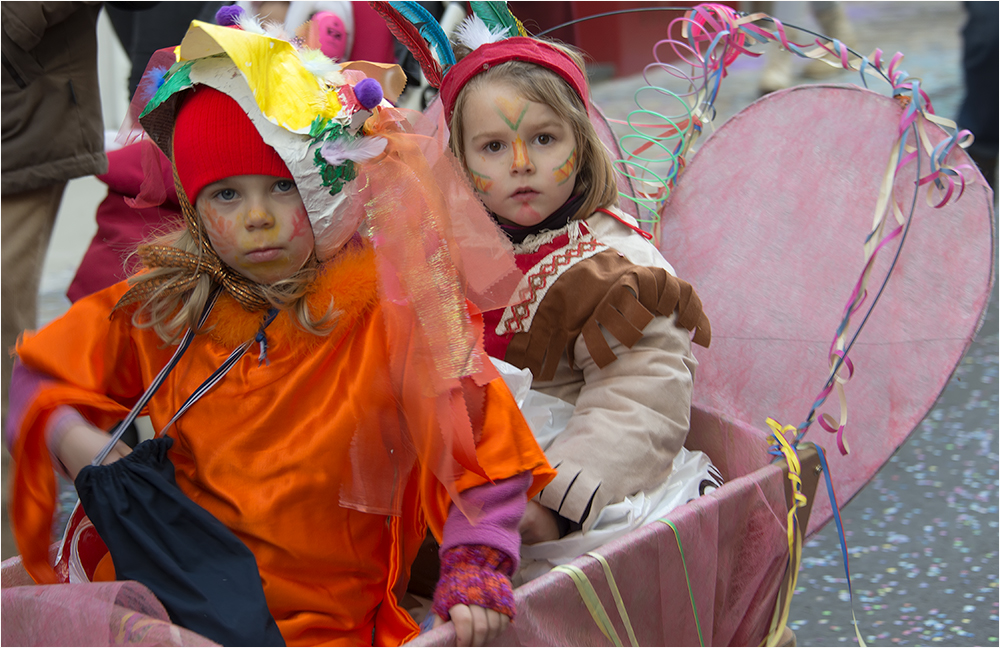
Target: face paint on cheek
[
  {"x": 482, "y": 183},
  {"x": 300, "y": 224},
  {"x": 520, "y": 153},
  {"x": 564, "y": 171},
  {"x": 220, "y": 230}
]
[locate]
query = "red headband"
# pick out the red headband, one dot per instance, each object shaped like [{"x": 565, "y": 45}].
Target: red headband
[{"x": 518, "y": 48}]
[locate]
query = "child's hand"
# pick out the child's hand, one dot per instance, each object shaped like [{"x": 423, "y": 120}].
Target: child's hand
[
  {"x": 538, "y": 524},
  {"x": 80, "y": 443},
  {"x": 474, "y": 625}
]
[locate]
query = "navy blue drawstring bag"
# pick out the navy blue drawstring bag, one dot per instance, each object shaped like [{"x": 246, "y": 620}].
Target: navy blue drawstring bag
[{"x": 204, "y": 576}]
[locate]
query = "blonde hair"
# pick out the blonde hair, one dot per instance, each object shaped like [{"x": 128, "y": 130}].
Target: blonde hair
[
  {"x": 170, "y": 311},
  {"x": 596, "y": 173}
]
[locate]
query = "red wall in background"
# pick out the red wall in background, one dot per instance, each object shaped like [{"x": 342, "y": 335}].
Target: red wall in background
[{"x": 625, "y": 41}]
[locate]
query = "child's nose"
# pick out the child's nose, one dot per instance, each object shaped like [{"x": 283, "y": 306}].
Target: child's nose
[
  {"x": 258, "y": 218},
  {"x": 521, "y": 162}
]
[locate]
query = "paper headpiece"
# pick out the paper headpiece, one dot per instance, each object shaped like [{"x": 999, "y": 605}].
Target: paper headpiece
[{"x": 310, "y": 110}]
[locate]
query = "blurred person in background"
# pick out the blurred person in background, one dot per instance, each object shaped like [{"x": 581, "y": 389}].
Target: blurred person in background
[
  {"x": 779, "y": 67},
  {"x": 980, "y": 109},
  {"x": 145, "y": 27},
  {"x": 53, "y": 131}
]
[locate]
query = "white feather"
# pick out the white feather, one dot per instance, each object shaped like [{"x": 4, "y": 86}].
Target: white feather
[
  {"x": 276, "y": 30},
  {"x": 317, "y": 62},
  {"x": 249, "y": 23},
  {"x": 473, "y": 32},
  {"x": 361, "y": 149}
]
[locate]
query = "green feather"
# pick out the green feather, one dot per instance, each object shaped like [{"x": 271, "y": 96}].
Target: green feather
[
  {"x": 179, "y": 79},
  {"x": 497, "y": 16}
]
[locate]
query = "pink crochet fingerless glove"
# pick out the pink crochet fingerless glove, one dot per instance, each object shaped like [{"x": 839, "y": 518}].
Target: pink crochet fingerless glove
[{"x": 474, "y": 575}]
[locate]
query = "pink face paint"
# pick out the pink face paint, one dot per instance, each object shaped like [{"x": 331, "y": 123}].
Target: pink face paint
[
  {"x": 564, "y": 171},
  {"x": 300, "y": 224},
  {"x": 527, "y": 212},
  {"x": 220, "y": 229}
]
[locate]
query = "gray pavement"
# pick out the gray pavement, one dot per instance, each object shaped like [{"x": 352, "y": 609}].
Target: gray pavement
[{"x": 923, "y": 535}]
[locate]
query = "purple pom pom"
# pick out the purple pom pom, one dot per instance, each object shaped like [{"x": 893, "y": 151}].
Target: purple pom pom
[
  {"x": 369, "y": 93},
  {"x": 227, "y": 15}
]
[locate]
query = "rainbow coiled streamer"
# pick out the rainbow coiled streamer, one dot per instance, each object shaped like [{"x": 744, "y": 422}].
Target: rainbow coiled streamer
[{"x": 711, "y": 37}]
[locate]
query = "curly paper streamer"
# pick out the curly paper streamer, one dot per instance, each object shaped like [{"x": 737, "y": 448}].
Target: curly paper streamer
[
  {"x": 711, "y": 38},
  {"x": 783, "y": 448}
]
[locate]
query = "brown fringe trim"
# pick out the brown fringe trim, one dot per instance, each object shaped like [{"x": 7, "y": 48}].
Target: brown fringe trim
[{"x": 606, "y": 291}]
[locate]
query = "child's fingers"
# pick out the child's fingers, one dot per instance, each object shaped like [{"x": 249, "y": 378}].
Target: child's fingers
[
  {"x": 497, "y": 624},
  {"x": 475, "y": 625},
  {"x": 461, "y": 616},
  {"x": 504, "y": 622},
  {"x": 480, "y": 624}
]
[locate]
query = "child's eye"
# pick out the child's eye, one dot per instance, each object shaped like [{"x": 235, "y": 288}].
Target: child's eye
[
  {"x": 545, "y": 139},
  {"x": 226, "y": 194},
  {"x": 284, "y": 186},
  {"x": 494, "y": 147}
]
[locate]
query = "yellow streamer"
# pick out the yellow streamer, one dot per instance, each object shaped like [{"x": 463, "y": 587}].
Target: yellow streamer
[
  {"x": 780, "y": 618},
  {"x": 687, "y": 578},
  {"x": 592, "y": 602},
  {"x": 619, "y": 603}
]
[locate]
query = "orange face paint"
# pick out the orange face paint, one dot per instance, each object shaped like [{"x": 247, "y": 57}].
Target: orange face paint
[
  {"x": 564, "y": 171},
  {"x": 520, "y": 154},
  {"x": 482, "y": 183}
]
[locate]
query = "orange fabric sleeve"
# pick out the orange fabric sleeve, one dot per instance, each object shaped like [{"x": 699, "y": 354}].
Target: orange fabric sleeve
[
  {"x": 506, "y": 448},
  {"x": 90, "y": 358}
]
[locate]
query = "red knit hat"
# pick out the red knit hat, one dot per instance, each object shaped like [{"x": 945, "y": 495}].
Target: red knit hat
[{"x": 214, "y": 139}]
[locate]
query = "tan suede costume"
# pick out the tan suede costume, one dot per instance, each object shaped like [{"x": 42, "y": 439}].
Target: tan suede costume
[{"x": 606, "y": 326}]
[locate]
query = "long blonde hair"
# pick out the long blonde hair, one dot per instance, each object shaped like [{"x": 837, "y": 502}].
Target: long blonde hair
[{"x": 596, "y": 174}]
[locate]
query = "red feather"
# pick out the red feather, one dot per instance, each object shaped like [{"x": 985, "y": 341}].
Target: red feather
[{"x": 407, "y": 34}]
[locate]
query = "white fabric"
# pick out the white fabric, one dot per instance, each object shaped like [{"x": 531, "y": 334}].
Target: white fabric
[{"x": 547, "y": 416}]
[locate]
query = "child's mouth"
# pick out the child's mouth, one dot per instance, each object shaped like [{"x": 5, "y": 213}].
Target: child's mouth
[
  {"x": 524, "y": 194},
  {"x": 264, "y": 255}
]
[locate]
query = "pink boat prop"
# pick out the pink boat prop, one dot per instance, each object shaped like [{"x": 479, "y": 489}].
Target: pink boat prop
[{"x": 842, "y": 243}]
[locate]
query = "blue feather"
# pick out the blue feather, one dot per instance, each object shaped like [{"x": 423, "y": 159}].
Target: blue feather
[
  {"x": 429, "y": 28},
  {"x": 151, "y": 82}
]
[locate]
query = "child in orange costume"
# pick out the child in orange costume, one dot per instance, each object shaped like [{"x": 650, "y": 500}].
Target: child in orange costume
[{"x": 354, "y": 427}]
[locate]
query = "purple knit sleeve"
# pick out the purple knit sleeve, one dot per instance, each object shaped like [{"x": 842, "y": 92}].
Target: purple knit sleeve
[
  {"x": 502, "y": 504},
  {"x": 24, "y": 387},
  {"x": 474, "y": 575}
]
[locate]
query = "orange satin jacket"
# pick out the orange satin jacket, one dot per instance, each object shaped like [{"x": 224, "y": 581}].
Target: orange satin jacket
[{"x": 267, "y": 450}]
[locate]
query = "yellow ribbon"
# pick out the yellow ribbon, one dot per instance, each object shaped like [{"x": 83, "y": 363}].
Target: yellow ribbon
[
  {"x": 593, "y": 602},
  {"x": 780, "y": 618}
]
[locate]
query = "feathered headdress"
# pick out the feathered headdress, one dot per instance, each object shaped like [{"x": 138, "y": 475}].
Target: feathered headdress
[{"x": 493, "y": 34}]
